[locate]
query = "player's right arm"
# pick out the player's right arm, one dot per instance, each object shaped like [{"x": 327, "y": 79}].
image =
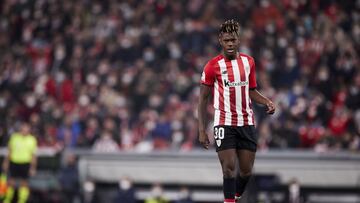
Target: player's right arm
[
  {"x": 6, "y": 161},
  {"x": 5, "y": 165},
  {"x": 205, "y": 92},
  {"x": 207, "y": 82}
]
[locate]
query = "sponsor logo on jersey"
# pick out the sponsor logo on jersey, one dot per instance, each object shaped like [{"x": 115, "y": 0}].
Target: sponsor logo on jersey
[{"x": 235, "y": 83}]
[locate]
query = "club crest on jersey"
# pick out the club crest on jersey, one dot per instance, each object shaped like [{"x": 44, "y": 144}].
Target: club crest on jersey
[
  {"x": 218, "y": 143},
  {"x": 235, "y": 83},
  {"x": 203, "y": 76}
]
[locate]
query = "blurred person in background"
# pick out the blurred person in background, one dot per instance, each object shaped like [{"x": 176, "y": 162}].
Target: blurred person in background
[
  {"x": 184, "y": 196},
  {"x": 231, "y": 78},
  {"x": 157, "y": 195},
  {"x": 105, "y": 144},
  {"x": 88, "y": 192},
  {"x": 20, "y": 162},
  {"x": 69, "y": 179},
  {"x": 126, "y": 192},
  {"x": 294, "y": 191},
  {"x": 161, "y": 134}
]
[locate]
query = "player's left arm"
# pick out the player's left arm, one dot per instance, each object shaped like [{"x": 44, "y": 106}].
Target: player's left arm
[
  {"x": 33, "y": 164},
  {"x": 254, "y": 94},
  {"x": 7, "y": 158},
  {"x": 257, "y": 97}
]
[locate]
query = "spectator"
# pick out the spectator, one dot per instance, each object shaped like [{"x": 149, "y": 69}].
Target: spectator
[
  {"x": 157, "y": 195},
  {"x": 126, "y": 191},
  {"x": 161, "y": 134},
  {"x": 184, "y": 196},
  {"x": 294, "y": 191},
  {"x": 69, "y": 179},
  {"x": 105, "y": 144}
]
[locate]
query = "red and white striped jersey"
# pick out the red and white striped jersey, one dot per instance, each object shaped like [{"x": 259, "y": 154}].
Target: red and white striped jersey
[{"x": 231, "y": 81}]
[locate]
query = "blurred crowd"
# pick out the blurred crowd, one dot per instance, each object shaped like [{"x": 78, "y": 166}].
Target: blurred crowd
[{"x": 124, "y": 75}]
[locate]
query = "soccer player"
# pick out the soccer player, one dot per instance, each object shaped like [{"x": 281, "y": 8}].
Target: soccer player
[
  {"x": 21, "y": 161},
  {"x": 230, "y": 77}
]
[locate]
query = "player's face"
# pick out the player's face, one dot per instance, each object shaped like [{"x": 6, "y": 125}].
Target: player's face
[
  {"x": 25, "y": 129},
  {"x": 230, "y": 43}
]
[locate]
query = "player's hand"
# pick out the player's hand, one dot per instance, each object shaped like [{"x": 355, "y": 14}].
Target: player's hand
[
  {"x": 204, "y": 140},
  {"x": 5, "y": 166},
  {"x": 270, "y": 107},
  {"x": 32, "y": 171}
]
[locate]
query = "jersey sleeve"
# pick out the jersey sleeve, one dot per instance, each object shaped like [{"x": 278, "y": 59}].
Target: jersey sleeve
[
  {"x": 208, "y": 74},
  {"x": 252, "y": 76}
]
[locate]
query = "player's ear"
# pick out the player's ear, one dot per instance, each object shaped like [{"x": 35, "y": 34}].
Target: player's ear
[{"x": 219, "y": 38}]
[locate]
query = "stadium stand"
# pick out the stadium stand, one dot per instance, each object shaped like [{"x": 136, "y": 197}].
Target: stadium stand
[{"x": 75, "y": 69}]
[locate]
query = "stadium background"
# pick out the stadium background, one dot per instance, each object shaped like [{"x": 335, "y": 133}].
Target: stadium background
[{"x": 121, "y": 77}]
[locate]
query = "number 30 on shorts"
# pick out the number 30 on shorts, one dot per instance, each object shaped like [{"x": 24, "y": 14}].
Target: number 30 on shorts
[{"x": 219, "y": 133}]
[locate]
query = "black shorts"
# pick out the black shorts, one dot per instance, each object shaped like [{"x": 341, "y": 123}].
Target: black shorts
[
  {"x": 20, "y": 171},
  {"x": 235, "y": 137}
]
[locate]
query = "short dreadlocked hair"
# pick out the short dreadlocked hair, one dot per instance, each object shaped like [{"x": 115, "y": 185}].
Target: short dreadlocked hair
[{"x": 230, "y": 26}]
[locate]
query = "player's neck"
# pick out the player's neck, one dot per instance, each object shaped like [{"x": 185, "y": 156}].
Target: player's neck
[{"x": 230, "y": 57}]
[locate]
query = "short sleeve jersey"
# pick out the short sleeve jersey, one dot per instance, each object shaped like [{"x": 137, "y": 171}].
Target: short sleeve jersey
[
  {"x": 22, "y": 148},
  {"x": 231, "y": 81}
]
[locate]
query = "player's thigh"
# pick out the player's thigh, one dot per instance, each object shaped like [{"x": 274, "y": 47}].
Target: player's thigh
[
  {"x": 228, "y": 160},
  {"x": 246, "y": 160},
  {"x": 225, "y": 141}
]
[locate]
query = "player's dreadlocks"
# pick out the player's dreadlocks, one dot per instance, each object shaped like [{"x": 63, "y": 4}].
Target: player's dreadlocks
[{"x": 230, "y": 26}]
